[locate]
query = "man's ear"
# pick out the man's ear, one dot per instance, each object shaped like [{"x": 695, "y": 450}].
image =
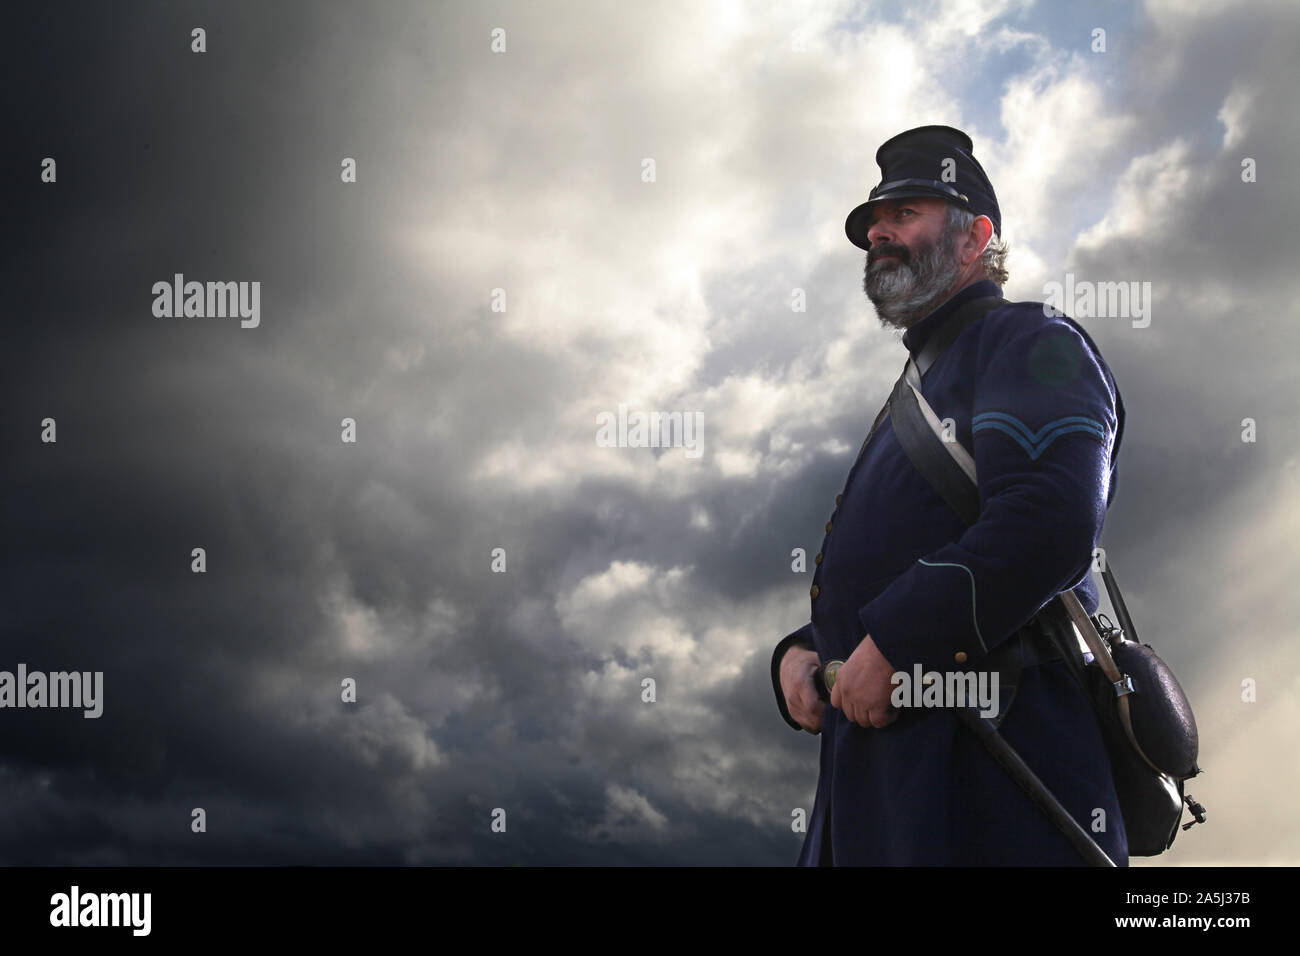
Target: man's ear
[{"x": 981, "y": 232}]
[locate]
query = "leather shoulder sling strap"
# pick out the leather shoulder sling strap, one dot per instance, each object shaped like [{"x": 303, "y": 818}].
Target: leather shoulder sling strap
[{"x": 966, "y": 314}]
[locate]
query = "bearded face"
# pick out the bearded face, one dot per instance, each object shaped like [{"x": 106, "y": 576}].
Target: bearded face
[{"x": 905, "y": 285}]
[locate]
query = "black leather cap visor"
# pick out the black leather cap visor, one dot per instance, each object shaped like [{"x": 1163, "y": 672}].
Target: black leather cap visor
[{"x": 859, "y": 220}]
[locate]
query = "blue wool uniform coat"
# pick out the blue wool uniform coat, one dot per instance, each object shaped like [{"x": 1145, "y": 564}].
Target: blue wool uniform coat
[{"x": 1037, "y": 407}]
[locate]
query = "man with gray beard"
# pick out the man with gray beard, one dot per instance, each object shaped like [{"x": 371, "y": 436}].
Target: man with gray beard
[
  {"x": 903, "y": 287},
  {"x": 902, "y": 582}
]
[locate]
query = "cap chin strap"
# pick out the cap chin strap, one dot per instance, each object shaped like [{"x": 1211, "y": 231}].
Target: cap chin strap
[{"x": 879, "y": 191}]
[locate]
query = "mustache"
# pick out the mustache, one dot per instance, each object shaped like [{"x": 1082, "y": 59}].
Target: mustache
[{"x": 889, "y": 249}]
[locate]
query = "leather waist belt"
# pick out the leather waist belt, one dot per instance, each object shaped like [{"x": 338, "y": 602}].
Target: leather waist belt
[
  {"x": 1027, "y": 647},
  {"x": 1036, "y": 647}
]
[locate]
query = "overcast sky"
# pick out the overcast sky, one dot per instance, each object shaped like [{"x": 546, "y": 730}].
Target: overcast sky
[{"x": 524, "y": 171}]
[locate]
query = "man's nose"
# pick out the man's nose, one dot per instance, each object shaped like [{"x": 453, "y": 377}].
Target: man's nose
[{"x": 879, "y": 232}]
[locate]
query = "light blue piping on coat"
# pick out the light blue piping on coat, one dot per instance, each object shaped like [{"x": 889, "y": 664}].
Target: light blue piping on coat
[{"x": 974, "y": 619}]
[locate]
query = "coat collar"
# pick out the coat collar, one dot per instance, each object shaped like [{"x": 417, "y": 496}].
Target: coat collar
[{"x": 915, "y": 337}]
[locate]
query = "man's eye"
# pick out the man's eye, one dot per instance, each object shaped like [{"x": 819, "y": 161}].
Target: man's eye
[{"x": 906, "y": 212}]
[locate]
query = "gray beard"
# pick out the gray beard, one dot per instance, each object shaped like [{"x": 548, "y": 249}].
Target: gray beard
[{"x": 906, "y": 292}]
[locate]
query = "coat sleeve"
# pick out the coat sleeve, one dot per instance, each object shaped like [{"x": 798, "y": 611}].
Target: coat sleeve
[
  {"x": 799, "y": 638},
  {"x": 1043, "y": 427}
]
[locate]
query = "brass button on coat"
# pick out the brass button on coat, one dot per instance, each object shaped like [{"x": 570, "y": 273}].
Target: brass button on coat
[
  {"x": 828, "y": 527},
  {"x": 814, "y": 590},
  {"x": 818, "y": 559},
  {"x": 960, "y": 657},
  {"x": 838, "y": 499}
]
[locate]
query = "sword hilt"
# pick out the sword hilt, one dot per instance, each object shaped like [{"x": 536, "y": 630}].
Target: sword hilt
[{"x": 824, "y": 678}]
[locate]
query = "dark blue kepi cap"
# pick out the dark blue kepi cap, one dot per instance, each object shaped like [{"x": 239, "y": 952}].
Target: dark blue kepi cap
[{"x": 936, "y": 161}]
